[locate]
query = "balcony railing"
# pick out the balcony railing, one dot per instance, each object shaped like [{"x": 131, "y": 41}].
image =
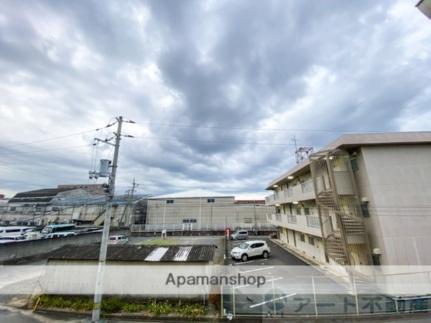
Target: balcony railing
[
  {"x": 289, "y": 191},
  {"x": 313, "y": 221},
  {"x": 292, "y": 218},
  {"x": 307, "y": 186}
]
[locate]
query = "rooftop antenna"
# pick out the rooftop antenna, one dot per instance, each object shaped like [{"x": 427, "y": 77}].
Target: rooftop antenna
[{"x": 301, "y": 153}]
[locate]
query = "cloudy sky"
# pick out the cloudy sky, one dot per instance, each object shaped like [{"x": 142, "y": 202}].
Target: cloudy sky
[{"x": 218, "y": 88}]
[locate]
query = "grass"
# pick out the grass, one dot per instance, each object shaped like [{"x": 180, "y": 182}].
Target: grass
[{"x": 115, "y": 304}]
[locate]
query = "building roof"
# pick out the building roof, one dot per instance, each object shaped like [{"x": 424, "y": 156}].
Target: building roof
[
  {"x": 363, "y": 139},
  {"x": 192, "y": 194},
  {"x": 380, "y": 139},
  {"x": 290, "y": 172},
  {"x": 138, "y": 253},
  {"x": 250, "y": 197},
  {"x": 42, "y": 195}
]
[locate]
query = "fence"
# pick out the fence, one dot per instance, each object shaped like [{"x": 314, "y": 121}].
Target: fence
[
  {"x": 316, "y": 298},
  {"x": 196, "y": 227}
]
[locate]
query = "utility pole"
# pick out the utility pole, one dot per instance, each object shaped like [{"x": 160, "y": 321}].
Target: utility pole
[
  {"x": 107, "y": 221},
  {"x": 127, "y": 214}
]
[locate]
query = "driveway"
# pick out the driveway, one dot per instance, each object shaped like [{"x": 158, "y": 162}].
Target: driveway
[{"x": 290, "y": 287}]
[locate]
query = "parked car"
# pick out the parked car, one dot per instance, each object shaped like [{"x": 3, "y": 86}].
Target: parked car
[
  {"x": 118, "y": 239},
  {"x": 13, "y": 231},
  {"x": 33, "y": 235},
  {"x": 249, "y": 249},
  {"x": 10, "y": 239},
  {"x": 60, "y": 235},
  {"x": 239, "y": 235}
]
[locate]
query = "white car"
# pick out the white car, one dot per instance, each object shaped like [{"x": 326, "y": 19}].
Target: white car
[
  {"x": 33, "y": 235},
  {"x": 60, "y": 235},
  {"x": 118, "y": 239},
  {"x": 254, "y": 248},
  {"x": 10, "y": 239},
  {"x": 239, "y": 235}
]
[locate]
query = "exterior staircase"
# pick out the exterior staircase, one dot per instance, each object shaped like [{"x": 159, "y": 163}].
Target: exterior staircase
[
  {"x": 335, "y": 250},
  {"x": 326, "y": 199},
  {"x": 352, "y": 226}
]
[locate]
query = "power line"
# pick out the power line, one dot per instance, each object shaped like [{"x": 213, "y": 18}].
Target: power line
[
  {"x": 197, "y": 126},
  {"x": 213, "y": 141},
  {"x": 59, "y": 137},
  {"x": 43, "y": 149}
]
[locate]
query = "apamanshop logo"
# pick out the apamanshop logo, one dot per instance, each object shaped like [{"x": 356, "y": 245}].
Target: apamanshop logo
[{"x": 203, "y": 280}]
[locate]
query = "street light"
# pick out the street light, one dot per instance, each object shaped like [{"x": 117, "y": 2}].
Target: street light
[{"x": 425, "y": 7}]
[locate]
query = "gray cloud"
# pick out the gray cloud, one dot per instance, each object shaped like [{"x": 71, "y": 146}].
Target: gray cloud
[{"x": 210, "y": 83}]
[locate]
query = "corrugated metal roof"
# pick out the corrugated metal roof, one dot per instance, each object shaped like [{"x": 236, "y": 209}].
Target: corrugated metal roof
[{"x": 140, "y": 253}]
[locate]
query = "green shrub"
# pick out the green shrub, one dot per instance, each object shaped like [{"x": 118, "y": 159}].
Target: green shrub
[
  {"x": 191, "y": 310},
  {"x": 159, "y": 308},
  {"x": 133, "y": 308},
  {"x": 112, "y": 304},
  {"x": 116, "y": 305}
]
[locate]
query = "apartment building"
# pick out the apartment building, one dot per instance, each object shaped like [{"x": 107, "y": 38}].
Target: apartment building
[{"x": 363, "y": 199}]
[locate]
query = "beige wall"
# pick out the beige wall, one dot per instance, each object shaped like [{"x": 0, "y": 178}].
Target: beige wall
[
  {"x": 397, "y": 182},
  {"x": 222, "y": 212}
]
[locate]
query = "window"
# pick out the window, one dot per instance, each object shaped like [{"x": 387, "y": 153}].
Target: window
[
  {"x": 210, "y": 200},
  {"x": 298, "y": 211},
  {"x": 257, "y": 245},
  {"x": 354, "y": 163},
  {"x": 169, "y": 201},
  {"x": 307, "y": 211},
  {"x": 189, "y": 221},
  {"x": 302, "y": 237},
  {"x": 376, "y": 260},
  {"x": 365, "y": 210},
  {"x": 13, "y": 208},
  {"x": 311, "y": 240},
  {"x": 248, "y": 220}
]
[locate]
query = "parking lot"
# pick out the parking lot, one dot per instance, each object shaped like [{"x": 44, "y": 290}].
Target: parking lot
[{"x": 291, "y": 286}]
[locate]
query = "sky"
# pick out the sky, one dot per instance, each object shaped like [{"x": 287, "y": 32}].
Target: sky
[{"x": 218, "y": 89}]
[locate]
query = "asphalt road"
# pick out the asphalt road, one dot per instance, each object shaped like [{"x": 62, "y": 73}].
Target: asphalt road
[{"x": 289, "y": 289}]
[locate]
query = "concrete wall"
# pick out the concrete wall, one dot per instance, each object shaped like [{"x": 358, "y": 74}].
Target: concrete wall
[
  {"x": 397, "y": 182},
  {"x": 34, "y": 247}
]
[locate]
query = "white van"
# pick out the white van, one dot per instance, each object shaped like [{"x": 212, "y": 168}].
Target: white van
[
  {"x": 33, "y": 235},
  {"x": 10, "y": 239},
  {"x": 13, "y": 231},
  {"x": 60, "y": 235},
  {"x": 118, "y": 239}
]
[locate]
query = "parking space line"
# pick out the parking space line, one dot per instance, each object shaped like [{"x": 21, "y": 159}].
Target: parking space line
[
  {"x": 257, "y": 269},
  {"x": 274, "y": 279},
  {"x": 272, "y": 300},
  {"x": 243, "y": 263}
]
